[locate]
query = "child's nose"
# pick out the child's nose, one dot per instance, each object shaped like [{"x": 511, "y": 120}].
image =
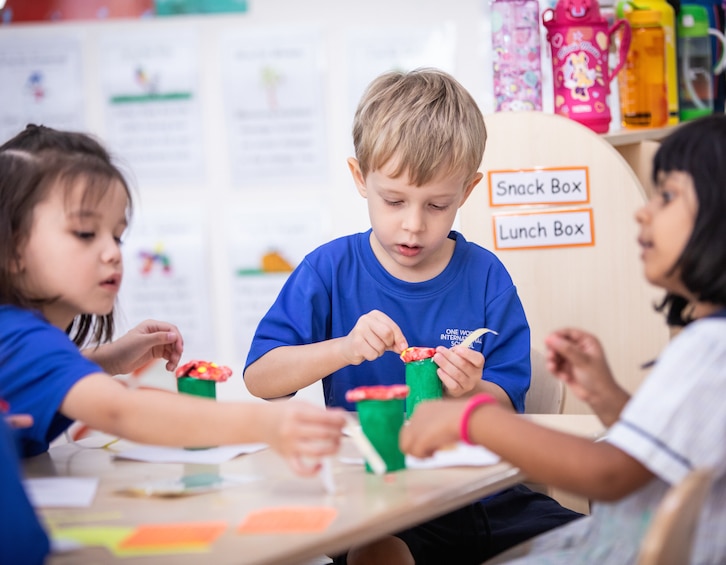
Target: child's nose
[
  {"x": 112, "y": 250},
  {"x": 413, "y": 220}
]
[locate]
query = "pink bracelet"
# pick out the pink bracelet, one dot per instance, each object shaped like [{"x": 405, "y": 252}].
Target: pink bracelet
[{"x": 474, "y": 402}]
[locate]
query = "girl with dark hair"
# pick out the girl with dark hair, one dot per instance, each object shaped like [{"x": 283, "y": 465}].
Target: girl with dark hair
[{"x": 675, "y": 421}]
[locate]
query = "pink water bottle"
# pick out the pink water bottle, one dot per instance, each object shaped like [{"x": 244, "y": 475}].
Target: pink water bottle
[
  {"x": 580, "y": 40},
  {"x": 516, "y": 55}
]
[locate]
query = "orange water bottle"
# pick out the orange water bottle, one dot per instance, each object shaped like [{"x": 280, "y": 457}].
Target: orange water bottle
[{"x": 642, "y": 81}]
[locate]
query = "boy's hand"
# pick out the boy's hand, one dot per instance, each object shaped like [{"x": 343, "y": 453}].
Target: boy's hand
[
  {"x": 303, "y": 433},
  {"x": 460, "y": 369},
  {"x": 434, "y": 425},
  {"x": 148, "y": 341},
  {"x": 374, "y": 334}
]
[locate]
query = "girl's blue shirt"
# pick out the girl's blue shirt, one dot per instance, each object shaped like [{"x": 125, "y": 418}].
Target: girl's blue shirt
[{"x": 39, "y": 365}]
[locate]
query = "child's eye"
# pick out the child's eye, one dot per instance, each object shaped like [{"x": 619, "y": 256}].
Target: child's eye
[
  {"x": 118, "y": 240},
  {"x": 393, "y": 202},
  {"x": 666, "y": 196},
  {"x": 85, "y": 234},
  {"x": 439, "y": 207}
]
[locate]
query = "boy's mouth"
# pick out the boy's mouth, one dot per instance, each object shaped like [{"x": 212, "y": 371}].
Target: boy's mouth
[{"x": 409, "y": 250}]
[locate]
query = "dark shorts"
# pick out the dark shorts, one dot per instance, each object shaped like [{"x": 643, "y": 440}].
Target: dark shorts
[{"x": 479, "y": 531}]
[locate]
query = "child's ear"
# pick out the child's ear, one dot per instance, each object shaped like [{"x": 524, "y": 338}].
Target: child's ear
[
  {"x": 16, "y": 265},
  {"x": 358, "y": 179},
  {"x": 470, "y": 187}
]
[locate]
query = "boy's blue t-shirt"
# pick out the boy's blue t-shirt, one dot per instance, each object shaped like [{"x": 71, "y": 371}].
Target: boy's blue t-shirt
[
  {"x": 22, "y": 538},
  {"x": 39, "y": 364},
  {"x": 342, "y": 280}
]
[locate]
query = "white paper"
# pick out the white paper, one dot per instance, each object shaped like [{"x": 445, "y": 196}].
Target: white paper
[
  {"x": 373, "y": 51},
  {"x": 152, "y": 107},
  {"x": 49, "y": 492},
  {"x": 285, "y": 232},
  {"x": 212, "y": 455},
  {"x": 167, "y": 277},
  {"x": 272, "y": 84},
  {"x": 40, "y": 84},
  {"x": 463, "y": 455}
]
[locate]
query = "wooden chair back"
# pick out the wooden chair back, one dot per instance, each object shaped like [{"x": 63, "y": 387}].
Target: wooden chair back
[
  {"x": 670, "y": 536},
  {"x": 546, "y": 394}
]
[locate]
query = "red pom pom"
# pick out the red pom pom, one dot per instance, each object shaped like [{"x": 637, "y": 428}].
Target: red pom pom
[
  {"x": 417, "y": 353},
  {"x": 377, "y": 392},
  {"x": 204, "y": 370}
]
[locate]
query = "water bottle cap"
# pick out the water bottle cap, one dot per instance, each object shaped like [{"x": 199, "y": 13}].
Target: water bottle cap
[
  {"x": 692, "y": 21},
  {"x": 643, "y": 18}
]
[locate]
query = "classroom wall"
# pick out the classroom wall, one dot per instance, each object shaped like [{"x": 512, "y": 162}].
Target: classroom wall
[{"x": 205, "y": 203}]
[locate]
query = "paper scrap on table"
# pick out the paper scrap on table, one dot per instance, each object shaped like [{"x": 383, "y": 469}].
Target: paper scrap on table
[
  {"x": 112, "y": 537},
  {"x": 212, "y": 455},
  {"x": 49, "y": 492},
  {"x": 103, "y": 536},
  {"x": 463, "y": 455},
  {"x": 288, "y": 520},
  {"x": 158, "y": 536}
]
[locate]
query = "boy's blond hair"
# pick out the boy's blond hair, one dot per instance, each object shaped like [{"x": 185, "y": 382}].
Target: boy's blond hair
[{"x": 423, "y": 118}]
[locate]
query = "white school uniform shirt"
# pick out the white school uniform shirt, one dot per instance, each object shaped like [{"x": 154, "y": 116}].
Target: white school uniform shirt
[{"x": 675, "y": 422}]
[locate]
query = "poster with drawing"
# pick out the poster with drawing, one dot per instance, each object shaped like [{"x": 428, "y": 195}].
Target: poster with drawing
[
  {"x": 264, "y": 246},
  {"x": 40, "y": 83},
  {"x": 166, "y": 278},
  {"x": 272, "y": 82},
  {"x": 149, "y": 82}
]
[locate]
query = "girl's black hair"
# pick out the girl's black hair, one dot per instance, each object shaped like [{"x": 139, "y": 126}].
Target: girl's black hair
[
  {"x": 25, "y": 180},
  {"x": 35, "y": 138},
  {"x": 699, "y": 149}
]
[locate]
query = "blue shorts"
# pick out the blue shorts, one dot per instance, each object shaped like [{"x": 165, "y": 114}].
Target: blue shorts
[{"x": 479, "y": 531}]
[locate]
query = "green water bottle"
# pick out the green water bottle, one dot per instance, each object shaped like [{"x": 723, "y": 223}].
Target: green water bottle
[{"x": 695, "y": 62}]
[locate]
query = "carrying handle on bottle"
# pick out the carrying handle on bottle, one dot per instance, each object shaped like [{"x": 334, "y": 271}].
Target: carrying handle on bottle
[
  {"x": 719, "y": 67},
  {"x": 624, "y": 45}
]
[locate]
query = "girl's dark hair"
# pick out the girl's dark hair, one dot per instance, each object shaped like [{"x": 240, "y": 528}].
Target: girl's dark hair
[
  {"x": 36, "y": 138},
  {"x": 26, "y": 179},
  {"x": 699, "y": 149}
]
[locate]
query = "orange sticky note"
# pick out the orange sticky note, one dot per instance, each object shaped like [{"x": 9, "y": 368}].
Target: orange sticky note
[
  {"x": 291, "y": 520},
  {"x": 163, "y": 535}
]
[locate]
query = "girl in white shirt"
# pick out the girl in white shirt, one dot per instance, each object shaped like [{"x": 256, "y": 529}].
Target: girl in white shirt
[{"x": 675, "y": 422}]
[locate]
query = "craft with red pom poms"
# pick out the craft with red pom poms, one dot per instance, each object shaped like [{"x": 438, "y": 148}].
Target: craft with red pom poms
[
  {"x": 204, "y": 370},
  {"x": 417, "y": 353},
  {"x": 377, "y": 392}
]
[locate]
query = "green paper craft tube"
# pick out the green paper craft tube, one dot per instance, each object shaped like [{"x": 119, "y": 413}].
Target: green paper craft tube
[
  {"x": 423, "y": 382},
  {"x": 381, "y": 421},
  {"x": 197, "y": 387}
]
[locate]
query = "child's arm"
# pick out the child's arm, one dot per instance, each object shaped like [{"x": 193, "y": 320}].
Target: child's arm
[
  {"x": 596, "y": 470},
  {"x": 577, "y": 358},
  {"x": 285, "y": 370},
  {"x": 295, "y": 429},
  {"x": 148, "y": 341}
]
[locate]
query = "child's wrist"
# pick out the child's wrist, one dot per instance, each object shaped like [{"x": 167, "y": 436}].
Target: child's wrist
[{"x": 474, "y": 402}]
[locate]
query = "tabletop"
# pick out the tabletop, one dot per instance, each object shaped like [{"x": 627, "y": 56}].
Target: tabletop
[{"x": 366, "y": 506}]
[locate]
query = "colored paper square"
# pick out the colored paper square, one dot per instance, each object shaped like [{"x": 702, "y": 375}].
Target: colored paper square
[
  {"x": 163, "y": 535},
  {"x": 288, "y": 520}
]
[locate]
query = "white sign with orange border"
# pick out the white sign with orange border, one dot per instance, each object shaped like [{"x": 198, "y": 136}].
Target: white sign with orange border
[
  {"x": 565, "y": 185},
  {"x": 530, "y": 230}
]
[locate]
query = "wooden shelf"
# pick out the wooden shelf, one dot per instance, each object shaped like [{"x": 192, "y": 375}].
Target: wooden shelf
[{"x": 627, "y": 136}]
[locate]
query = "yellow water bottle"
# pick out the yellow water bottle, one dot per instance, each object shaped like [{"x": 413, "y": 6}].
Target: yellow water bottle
[
  {"x": 668, "y": 23},
  {"x": 642, "y": 81}
]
